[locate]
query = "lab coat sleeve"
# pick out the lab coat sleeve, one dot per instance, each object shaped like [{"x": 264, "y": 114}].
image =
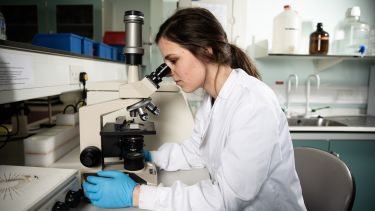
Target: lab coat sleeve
[
  {"x": 182, "y": 156},
  {"x": 201, "y": 196},
  {"x": 246, "y": 156}
]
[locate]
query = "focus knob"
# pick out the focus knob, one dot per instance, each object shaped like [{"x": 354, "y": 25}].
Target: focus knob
[
  {"x": 91, "y": 156},
  {"x": 73, "y": 198},
  {"x": 60, "y": 206}
]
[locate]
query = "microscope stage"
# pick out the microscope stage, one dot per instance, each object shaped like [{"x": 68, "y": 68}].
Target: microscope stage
[{"x": 146, "y": 128}]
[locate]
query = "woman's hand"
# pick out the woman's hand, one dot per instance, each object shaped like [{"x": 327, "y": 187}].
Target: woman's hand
[{"x": 111, "y": 189}]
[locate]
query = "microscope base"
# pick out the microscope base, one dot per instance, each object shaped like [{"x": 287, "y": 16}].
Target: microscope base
[{"x": 147, "y": 176}]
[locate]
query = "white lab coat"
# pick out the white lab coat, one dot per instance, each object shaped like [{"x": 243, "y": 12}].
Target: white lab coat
[{"x": 244, "y": 142}]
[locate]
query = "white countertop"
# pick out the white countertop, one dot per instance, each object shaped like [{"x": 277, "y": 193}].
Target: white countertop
[
  {"x": 71, "y": 160},
  {"x": 365, "y": 123},
  {"x": 331, "y": 129}
]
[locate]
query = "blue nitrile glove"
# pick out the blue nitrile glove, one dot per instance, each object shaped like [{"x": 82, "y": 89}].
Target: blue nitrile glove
[
  {"x": 147, "y": 155},
  {"x": 112, "y": 189}
]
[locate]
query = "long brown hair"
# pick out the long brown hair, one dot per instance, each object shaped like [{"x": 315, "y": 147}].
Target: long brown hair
[{"x": 197, "y": 29}]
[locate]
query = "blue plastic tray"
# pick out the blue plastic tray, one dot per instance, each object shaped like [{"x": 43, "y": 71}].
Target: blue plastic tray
[
  {"x": 87, "y": 46},
  {"x": 62, "y": 41}
]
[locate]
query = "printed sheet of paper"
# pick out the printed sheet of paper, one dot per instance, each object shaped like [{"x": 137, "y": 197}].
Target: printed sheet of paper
[{"x": 16, "y": 71}]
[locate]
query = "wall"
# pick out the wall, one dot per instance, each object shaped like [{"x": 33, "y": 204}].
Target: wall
[{"x": 344, "y": 86}]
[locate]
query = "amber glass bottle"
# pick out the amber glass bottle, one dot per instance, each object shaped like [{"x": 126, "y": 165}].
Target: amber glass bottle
[{"x": 319, "y": 41}]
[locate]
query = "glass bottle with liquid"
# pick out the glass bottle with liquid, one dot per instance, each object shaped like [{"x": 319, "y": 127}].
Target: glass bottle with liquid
[{"x": 319, "y": 41}]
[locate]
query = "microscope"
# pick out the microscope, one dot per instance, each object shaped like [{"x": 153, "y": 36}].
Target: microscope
[{"x": 112, "y": 132}]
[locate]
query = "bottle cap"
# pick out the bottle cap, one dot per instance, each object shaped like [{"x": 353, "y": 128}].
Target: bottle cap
[
  {"x": 355, "y": 11},
  {"x": 319, "y": 25},
  {"x": 286, "y": 7}
]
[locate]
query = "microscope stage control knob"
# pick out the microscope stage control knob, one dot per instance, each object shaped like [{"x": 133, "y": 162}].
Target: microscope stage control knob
[
  {"x": 60, "y": 206},
  {"x": 91, "y": 156},
  {"x": 73, "y": 198}
]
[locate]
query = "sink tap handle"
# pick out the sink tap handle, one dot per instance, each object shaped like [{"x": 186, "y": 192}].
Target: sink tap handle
[
  {"x": 320, "y": 108},
  {"x": 290, "y": 81},
  {"x": 317, "y": 78}
]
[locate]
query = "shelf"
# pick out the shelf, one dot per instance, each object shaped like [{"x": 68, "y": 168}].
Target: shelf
[
  {"x": 259, "y": 51},
  {"x": 37, "y": 72},
  {"x": 317, "y": 57}
]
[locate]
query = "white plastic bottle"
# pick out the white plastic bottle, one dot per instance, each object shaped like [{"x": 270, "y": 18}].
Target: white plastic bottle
[
  {"x": 286, "y": 33},
  {"x": 351, "y": 35}
]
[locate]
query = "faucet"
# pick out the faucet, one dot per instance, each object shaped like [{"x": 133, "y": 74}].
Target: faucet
[
  {"x": 317, "y": 78},
  {"x": 289, "y": 89}
]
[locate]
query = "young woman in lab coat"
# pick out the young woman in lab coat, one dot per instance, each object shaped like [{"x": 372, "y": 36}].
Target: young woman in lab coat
[{"x": 240, "y": 135}]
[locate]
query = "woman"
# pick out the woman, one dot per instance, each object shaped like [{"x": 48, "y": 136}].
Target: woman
[{"x": 240, "y": 135}]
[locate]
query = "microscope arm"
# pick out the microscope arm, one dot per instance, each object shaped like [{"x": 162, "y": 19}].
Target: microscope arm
[
  {"x": 137, "y": 90},
  {"x": 147, "y": 86},
  {"x": 92, "y": 119}
]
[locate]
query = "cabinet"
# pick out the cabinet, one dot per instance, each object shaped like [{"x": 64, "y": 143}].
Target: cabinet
[
  {"x": 357, "y": 151},
  {"x": 318, "y": 144},
  {"x": 359, "y": 156},
  {"x": 25, "y": 18},
  {"x": 81, "y": 17}
]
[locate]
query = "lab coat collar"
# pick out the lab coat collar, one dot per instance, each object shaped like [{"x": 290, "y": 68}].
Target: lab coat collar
[
  {"x": 228, "y": 86},
  {"x": 224, "y": 94}
]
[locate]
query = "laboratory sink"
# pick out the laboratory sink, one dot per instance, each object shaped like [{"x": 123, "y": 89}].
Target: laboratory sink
[{"x": 311, "y": 122}]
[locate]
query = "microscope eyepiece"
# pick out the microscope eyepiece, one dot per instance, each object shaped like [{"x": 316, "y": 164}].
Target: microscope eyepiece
[
  {"x": 160, "y": 72},
  {"x": 133, "y": 27},
  {"x": 133, "y": 12}
]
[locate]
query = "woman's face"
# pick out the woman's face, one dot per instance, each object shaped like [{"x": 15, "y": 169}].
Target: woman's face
[{"x": 186, "y": 70}]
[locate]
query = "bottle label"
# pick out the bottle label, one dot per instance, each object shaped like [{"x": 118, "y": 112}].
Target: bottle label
[{"x": 290, "y": 29}]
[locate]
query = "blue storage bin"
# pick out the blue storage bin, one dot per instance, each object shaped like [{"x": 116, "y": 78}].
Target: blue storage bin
[
  {"x": 87, "y": 46},
  {"x": 108, "y": 52},
  {"x": 114, "y": 53},
  {"x": 100, "y": 50},
  {"x": 62, "y": 41},
  {"x": 120, "y": 53}
]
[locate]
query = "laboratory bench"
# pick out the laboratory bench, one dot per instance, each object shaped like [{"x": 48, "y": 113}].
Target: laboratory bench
[
  {"x": 354, "y": 146},
  {"x": 347, "y": 124},
  {"x": 165, "y": 178}
]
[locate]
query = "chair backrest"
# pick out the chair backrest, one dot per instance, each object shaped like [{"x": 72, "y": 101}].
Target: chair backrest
[{"x": 326, "y": 181}]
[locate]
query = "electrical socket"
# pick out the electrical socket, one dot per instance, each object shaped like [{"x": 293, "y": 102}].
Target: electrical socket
[{"x": 74, "y": 74}]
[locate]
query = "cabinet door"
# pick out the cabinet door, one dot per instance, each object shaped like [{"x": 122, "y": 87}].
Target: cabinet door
[
  {"x": 318, "y": 144},
  {"x": 79, "y": 17},
  {"x": 24, "y": 19},
  {"x": 360, "y": 158}
]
